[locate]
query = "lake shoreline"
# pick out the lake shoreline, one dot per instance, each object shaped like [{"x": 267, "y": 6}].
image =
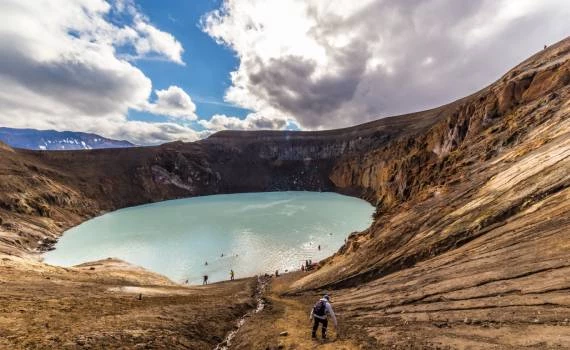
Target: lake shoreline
[{"x": 255, "y": 233}]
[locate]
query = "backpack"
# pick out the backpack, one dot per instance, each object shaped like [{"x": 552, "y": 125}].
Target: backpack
[{"x": 320, "y": 308}]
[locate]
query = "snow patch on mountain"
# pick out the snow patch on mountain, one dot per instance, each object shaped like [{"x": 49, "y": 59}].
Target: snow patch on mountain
[{"x": 57, "y": 140}]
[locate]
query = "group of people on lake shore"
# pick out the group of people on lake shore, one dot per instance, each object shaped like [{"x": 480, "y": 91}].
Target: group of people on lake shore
[
  {"x": 205, "y": 277},
  {"x": 307, "y": 266}
]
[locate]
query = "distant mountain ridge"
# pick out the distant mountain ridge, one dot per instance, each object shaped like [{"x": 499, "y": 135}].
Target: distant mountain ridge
[{"x": 57, "y": 140}]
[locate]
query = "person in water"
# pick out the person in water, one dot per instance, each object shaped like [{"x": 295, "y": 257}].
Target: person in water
[
  {"x": 206, "y": 263},
  {"x": 232, "y": 275},
  {"x": 319, "y": 247},
  {"x": 319, "y": 315},
  {"x": 205, "y": 280}
]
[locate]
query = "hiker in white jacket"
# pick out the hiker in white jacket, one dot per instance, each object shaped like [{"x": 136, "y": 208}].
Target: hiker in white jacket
[{"x": 319, "y": 314}]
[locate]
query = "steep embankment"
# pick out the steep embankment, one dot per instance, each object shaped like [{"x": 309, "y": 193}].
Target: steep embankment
[
  {"x": 497, "y": 154},
  {"x": 472, "y": 197}
]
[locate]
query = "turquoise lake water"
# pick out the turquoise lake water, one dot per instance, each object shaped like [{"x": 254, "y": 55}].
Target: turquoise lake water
[{"x": 255, "y": 232}]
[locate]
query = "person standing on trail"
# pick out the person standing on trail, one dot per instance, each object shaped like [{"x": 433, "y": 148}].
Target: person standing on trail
[
  {"x": 319, "y": 316},
  {"x": 232, "y": 275},
  {"x": 205, "y": 280}
]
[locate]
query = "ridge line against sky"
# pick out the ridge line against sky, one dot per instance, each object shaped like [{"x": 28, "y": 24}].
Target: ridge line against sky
[{"x": 152, "y": 72}]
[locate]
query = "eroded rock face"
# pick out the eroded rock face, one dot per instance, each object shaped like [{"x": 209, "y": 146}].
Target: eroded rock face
[
  {"x": 34, "y": 206},
  {"x": 475, "y": 131},
  {"x": 498, "y": 153}
]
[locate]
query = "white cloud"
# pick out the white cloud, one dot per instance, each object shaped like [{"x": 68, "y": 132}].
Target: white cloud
[
  {"x": 173, "y": 102},
  {"x": 63, "y": 66},
  {"x": 147, "y": 40},
  {"x": 153, "y": 40},
  {"x": 143, "y": 133},
  {"x": 331, "y": 64},
  {"x": 253, "y": 121}
]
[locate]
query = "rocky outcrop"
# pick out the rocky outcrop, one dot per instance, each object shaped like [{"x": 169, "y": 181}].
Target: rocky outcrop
[{"x": 472, "y": 132}]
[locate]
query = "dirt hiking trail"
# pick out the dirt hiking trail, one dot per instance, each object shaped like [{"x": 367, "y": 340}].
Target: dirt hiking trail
[{"x": 291, "y": 315}]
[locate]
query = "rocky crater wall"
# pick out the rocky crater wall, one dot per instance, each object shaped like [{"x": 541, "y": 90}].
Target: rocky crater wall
[{"x": 398, "y": 163}]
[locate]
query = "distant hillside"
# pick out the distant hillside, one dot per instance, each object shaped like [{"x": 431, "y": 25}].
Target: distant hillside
[{"x": 57, "y": 140}]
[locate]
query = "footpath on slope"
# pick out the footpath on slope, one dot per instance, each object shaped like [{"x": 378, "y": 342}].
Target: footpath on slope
[
  {"x": 366, "y": 322},
  {"x": 291, "y": 315}
]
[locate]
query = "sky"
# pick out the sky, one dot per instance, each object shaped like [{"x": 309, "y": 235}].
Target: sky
[{"x": 158, "y": 71}]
